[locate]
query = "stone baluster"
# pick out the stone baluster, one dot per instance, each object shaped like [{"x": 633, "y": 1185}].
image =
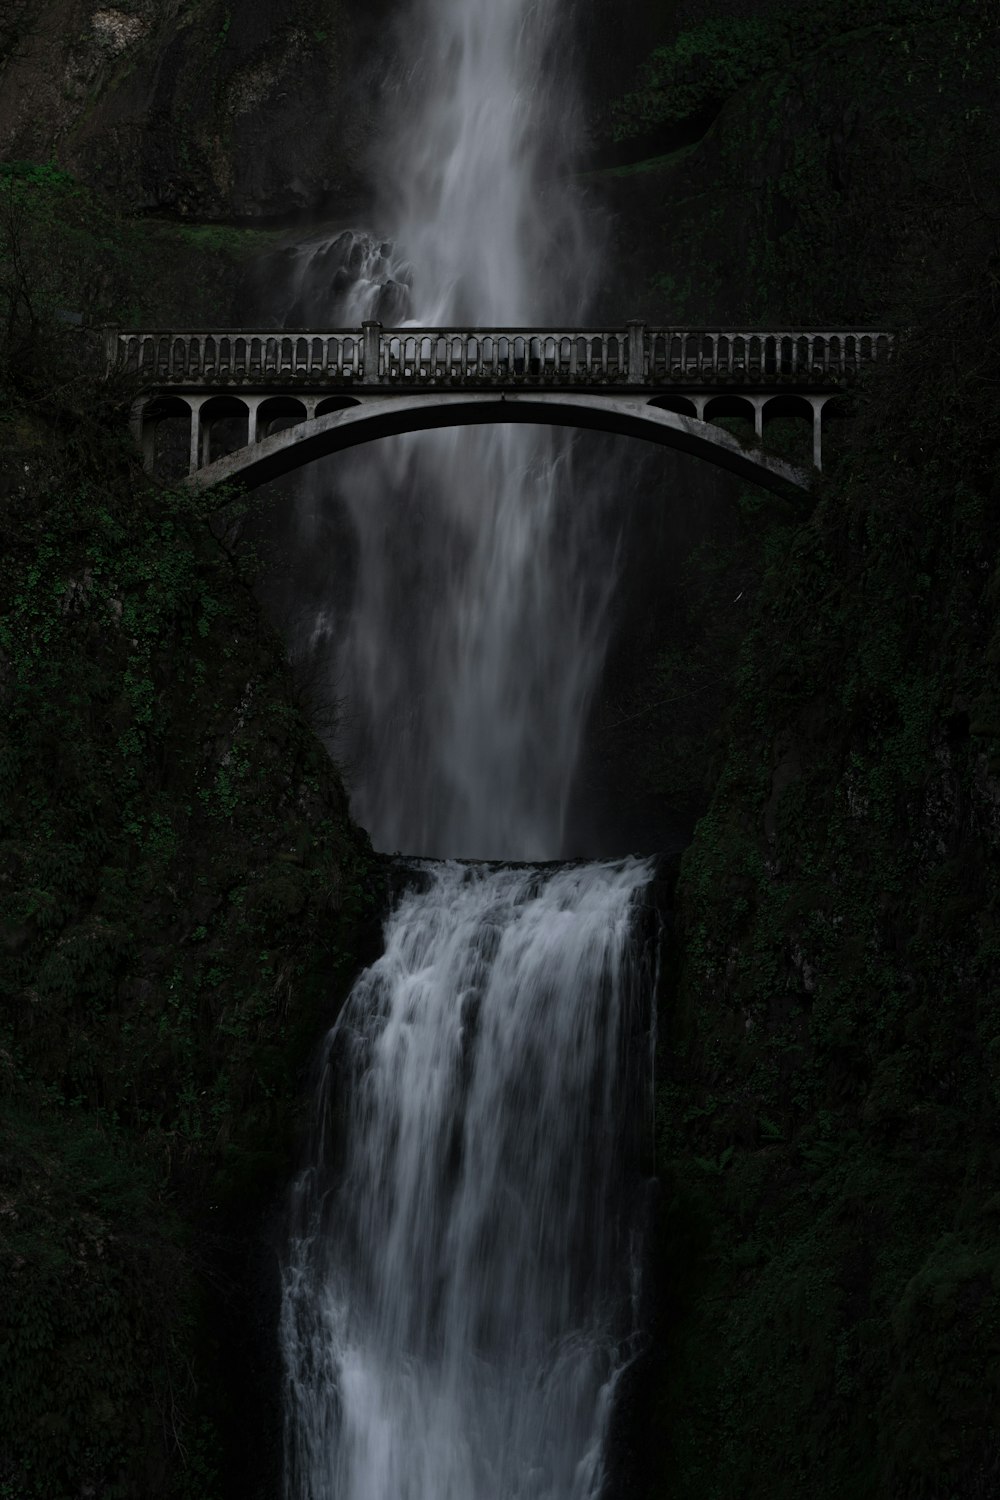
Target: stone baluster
[{"x": 194, "y": 458}]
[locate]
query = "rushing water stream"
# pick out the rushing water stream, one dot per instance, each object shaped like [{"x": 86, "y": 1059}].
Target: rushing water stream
[
  {"x": 460, "y": 1280},
  {"x": 459, "y": 1294}
]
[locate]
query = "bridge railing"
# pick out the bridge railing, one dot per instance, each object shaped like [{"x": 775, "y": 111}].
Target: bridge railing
[{"x": 636, "y": 355}]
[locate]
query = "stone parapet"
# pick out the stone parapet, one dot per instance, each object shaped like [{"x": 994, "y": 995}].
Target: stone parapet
[{"x": 634, "y": 357}]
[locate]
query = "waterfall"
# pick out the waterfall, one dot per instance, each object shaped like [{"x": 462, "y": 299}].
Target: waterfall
[
  {"x": 458, "y": 1287},
  {"x": 459, "y": 1283},
  {"x": 467, "y": 655}
]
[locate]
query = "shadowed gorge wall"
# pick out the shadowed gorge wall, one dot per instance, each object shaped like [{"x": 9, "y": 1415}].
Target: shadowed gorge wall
[
  {"x": 181, "y": 892},
  {"x": 830, "y": 1287}
]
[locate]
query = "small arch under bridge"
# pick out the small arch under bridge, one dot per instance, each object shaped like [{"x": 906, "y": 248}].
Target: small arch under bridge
[{"x": 258, "y": 404}]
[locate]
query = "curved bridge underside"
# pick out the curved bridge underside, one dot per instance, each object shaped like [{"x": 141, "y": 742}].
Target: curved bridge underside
[{"x": 373, "y": 417}]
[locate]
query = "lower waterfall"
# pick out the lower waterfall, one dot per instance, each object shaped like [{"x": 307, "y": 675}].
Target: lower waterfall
[{"x": 461, "y": 1277}]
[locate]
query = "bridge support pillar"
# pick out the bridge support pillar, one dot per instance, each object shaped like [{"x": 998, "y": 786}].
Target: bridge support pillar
[
  {"x": 199, "y": 438},
  {"x": 253, "y": 407},
  {"x": 758, "y": 416},
  {"x": 817, "y": 403},
  {"x": 143, "y": 433}
]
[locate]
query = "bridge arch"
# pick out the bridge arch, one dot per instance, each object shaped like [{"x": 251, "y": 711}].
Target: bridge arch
[{"x": 366, "y": 419}]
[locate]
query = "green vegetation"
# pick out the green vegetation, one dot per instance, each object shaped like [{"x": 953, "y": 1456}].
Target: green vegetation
[
  {"x": 820, "y": 189},
  {"x": 692, "y": 77},
  {"x": 696, "y": 75},
  {"x": 182, "y": 901},
  {"x": 70, "y": 257},
  {"x": 830, "y": 1280}
]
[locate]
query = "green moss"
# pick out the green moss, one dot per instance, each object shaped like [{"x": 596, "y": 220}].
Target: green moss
[
  {"x": 217, "y": 239},
  {"x": 696, "y": 74}
]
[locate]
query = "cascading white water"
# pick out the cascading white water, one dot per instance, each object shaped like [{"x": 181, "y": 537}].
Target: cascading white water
[
  {"x": 467, "y": 657},
  {"x": 457, "y": 1292},
  {"x": 458, "y": 1284}
]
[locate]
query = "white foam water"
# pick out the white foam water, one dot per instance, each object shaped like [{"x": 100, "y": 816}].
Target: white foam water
[{"x": 458, "y": 1288}]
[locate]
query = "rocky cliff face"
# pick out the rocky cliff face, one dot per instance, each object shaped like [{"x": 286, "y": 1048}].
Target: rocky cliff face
[
  {"x": 830, "y": 1284},
  {"x": 182, "y": 895},
  {"x": 208, "y": 109},
  {"x": 202, "y": 109}
]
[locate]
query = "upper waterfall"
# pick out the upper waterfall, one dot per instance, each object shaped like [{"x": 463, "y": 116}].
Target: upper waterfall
[
  {"x": 472, "y": 172},
  {"x": 466, "y": 656}
]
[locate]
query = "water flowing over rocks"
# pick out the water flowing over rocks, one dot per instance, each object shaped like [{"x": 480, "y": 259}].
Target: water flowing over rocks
[{"x": 464, "y": 1268}]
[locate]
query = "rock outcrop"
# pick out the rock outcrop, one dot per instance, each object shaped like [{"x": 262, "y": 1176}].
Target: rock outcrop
[{"x": 204, "y": 109}]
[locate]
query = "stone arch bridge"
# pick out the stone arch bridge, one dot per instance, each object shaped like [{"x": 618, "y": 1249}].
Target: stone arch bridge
[{"x": 255, "y": 405}]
